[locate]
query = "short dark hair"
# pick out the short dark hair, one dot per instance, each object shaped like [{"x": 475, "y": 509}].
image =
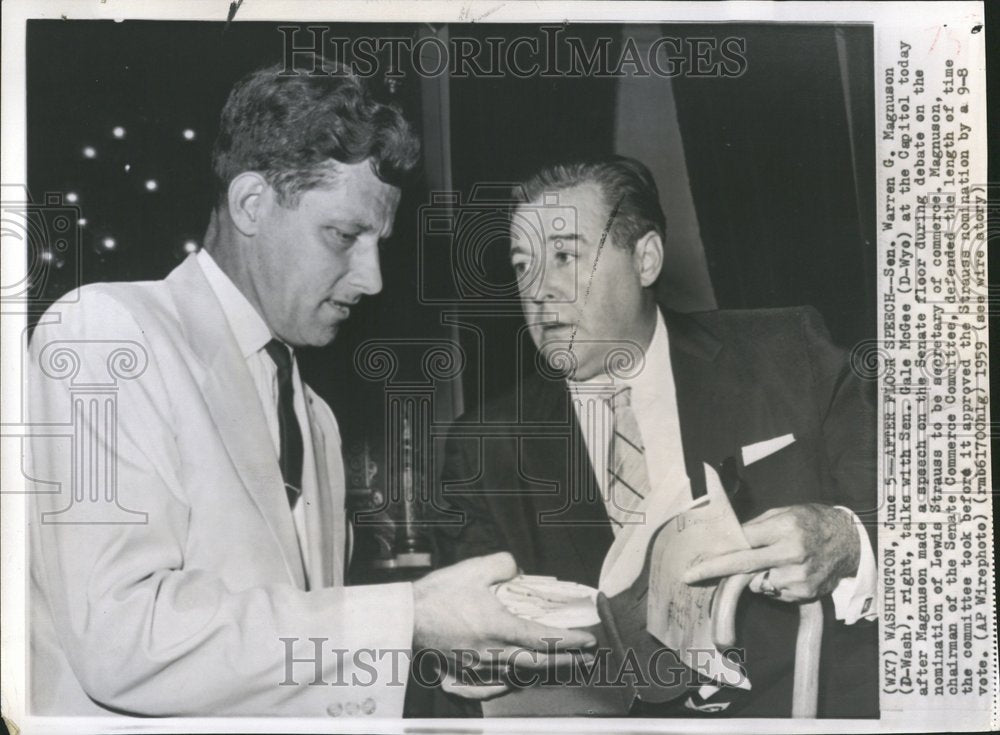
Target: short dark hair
[
  {"x": 288, "y": 126},
  {"x": 625, "y": 183}
]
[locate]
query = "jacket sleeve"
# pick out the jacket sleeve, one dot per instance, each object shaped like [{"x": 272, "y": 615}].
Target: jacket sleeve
[
  {"x": 844, "y": 402},
  {"x": 142, "y": 631},
  {"x": 467, "y": 527}
]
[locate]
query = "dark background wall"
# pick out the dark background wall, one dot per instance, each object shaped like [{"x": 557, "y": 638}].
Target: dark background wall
[{"x": 782, "y": 169}]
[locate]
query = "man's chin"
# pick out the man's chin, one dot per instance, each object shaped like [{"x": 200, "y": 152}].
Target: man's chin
[
  {"x": 330, "y": 335},
  {"x": 562, "y": 360},
  {"x": 321, "y": 336}
]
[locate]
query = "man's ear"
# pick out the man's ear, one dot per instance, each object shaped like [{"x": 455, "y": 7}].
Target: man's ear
[
  {"x": 649, "y": 257},
  {"x": 245, "y": 199}
]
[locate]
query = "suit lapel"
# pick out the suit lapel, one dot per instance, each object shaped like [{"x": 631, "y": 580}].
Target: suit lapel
[
  {"x": 706, "y": 383},
  {"x": 234, "y": 404},
  {"x": 575, "y": 518},
  {"x": 326, "y": 527}
]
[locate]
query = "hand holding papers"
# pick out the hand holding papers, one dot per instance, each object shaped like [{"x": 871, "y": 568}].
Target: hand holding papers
[
  {"x": 679, "y": 615},
  {"x": 653, "y": 629},
  {"x": 479, "y": 634},
  {"x": 568, "y": 690},
  {"x": 806, "y": 550}
]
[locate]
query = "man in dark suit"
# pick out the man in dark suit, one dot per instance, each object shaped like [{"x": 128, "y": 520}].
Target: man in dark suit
[{"x": 762, "y": 395}]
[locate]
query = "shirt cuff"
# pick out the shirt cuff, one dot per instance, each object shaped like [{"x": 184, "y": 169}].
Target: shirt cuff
[{"x": 855, "y": 598}]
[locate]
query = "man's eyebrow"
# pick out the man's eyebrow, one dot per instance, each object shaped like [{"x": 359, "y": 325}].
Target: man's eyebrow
[
  {"x": 361, "y": 226},
  {"x": 360, "y": 222}
]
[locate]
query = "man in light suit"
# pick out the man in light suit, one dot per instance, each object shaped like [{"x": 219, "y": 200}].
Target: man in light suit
[
  {"x": 188, "y": 555},
  {"x": 763, "y": 396}
]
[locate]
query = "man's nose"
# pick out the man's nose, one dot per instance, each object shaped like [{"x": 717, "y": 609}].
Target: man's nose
[
  {"x": 548, "y": 285},
  {"x": 368, "y": 271}
]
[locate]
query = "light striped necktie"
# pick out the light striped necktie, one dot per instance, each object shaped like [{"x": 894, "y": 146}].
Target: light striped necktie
[{"x": 628, "y": 478}]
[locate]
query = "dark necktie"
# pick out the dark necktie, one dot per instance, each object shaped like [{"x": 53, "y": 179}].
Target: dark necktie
[{"x": 288, "y": 425}]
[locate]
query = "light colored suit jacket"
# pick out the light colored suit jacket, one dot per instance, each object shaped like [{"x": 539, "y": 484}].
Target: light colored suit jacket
[{"x": 165, "y": 573}]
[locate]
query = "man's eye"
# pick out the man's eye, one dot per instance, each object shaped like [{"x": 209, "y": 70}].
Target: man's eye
[
  {"x": 340, "y": 236},
  {"x": 520, "y": 268},
  {"x": 564, "y": 256}
]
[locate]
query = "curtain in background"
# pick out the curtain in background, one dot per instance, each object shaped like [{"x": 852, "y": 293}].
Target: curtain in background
[
  {"x": 781, "y": 163},
  {"x": 646, "y": 129}
]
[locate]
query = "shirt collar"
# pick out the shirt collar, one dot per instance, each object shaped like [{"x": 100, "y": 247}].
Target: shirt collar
[
  {"x": 649, "y": 380},
  {"x": 248, "y": 327}
]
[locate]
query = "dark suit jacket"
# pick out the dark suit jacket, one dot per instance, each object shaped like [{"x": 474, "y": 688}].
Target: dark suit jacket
[{"x": 741, "y": 377}]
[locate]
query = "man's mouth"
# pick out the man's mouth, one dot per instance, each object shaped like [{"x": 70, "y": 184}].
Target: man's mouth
[
  {"x": 554, "y": 327},
  {"x": 343, "y": 307}
]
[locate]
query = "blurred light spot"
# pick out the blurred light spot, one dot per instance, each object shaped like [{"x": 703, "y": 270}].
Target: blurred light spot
[
  {"x": 188, "y": 134},
  {"x": 47, "y": 255},
  {"x": 118, "y": 131},
  {"x": 151, "y": 185},
  {"x": 190, "y": 246},
  {"x": 89, "y": 151},
  {"x": 82, "y": 222},
  {"x": 72, "y": 197},
  {"x": 128, "y": 167},
  {"x": 109, "y": 243}
]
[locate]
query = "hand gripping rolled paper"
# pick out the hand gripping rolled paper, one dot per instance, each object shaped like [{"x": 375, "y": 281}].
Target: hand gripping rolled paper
[{"x": 805, "y": 690}]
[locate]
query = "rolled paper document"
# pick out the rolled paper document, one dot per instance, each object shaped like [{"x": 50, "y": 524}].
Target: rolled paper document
[{"x": 549, "y": 601}]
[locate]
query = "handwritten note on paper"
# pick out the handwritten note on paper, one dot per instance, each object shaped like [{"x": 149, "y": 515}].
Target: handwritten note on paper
[{"x": 679, "y": 615}]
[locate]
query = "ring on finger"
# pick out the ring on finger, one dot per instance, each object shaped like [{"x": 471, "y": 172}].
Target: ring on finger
[{"x": 767, "y": 586}]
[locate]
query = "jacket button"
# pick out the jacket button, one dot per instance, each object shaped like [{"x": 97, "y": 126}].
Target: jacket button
[
  {"x": 335, "y": 709},
  {"x": 368, "y": 706},
  {"x": 351, "y": 709}
]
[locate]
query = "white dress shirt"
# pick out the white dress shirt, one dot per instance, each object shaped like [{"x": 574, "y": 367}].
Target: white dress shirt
[
  {"x": 252, "y": 334},
  {"x": 654, "y": 403}
]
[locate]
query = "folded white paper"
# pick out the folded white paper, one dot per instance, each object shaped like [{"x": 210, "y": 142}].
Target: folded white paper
[{"x": 680, "y": 615}]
